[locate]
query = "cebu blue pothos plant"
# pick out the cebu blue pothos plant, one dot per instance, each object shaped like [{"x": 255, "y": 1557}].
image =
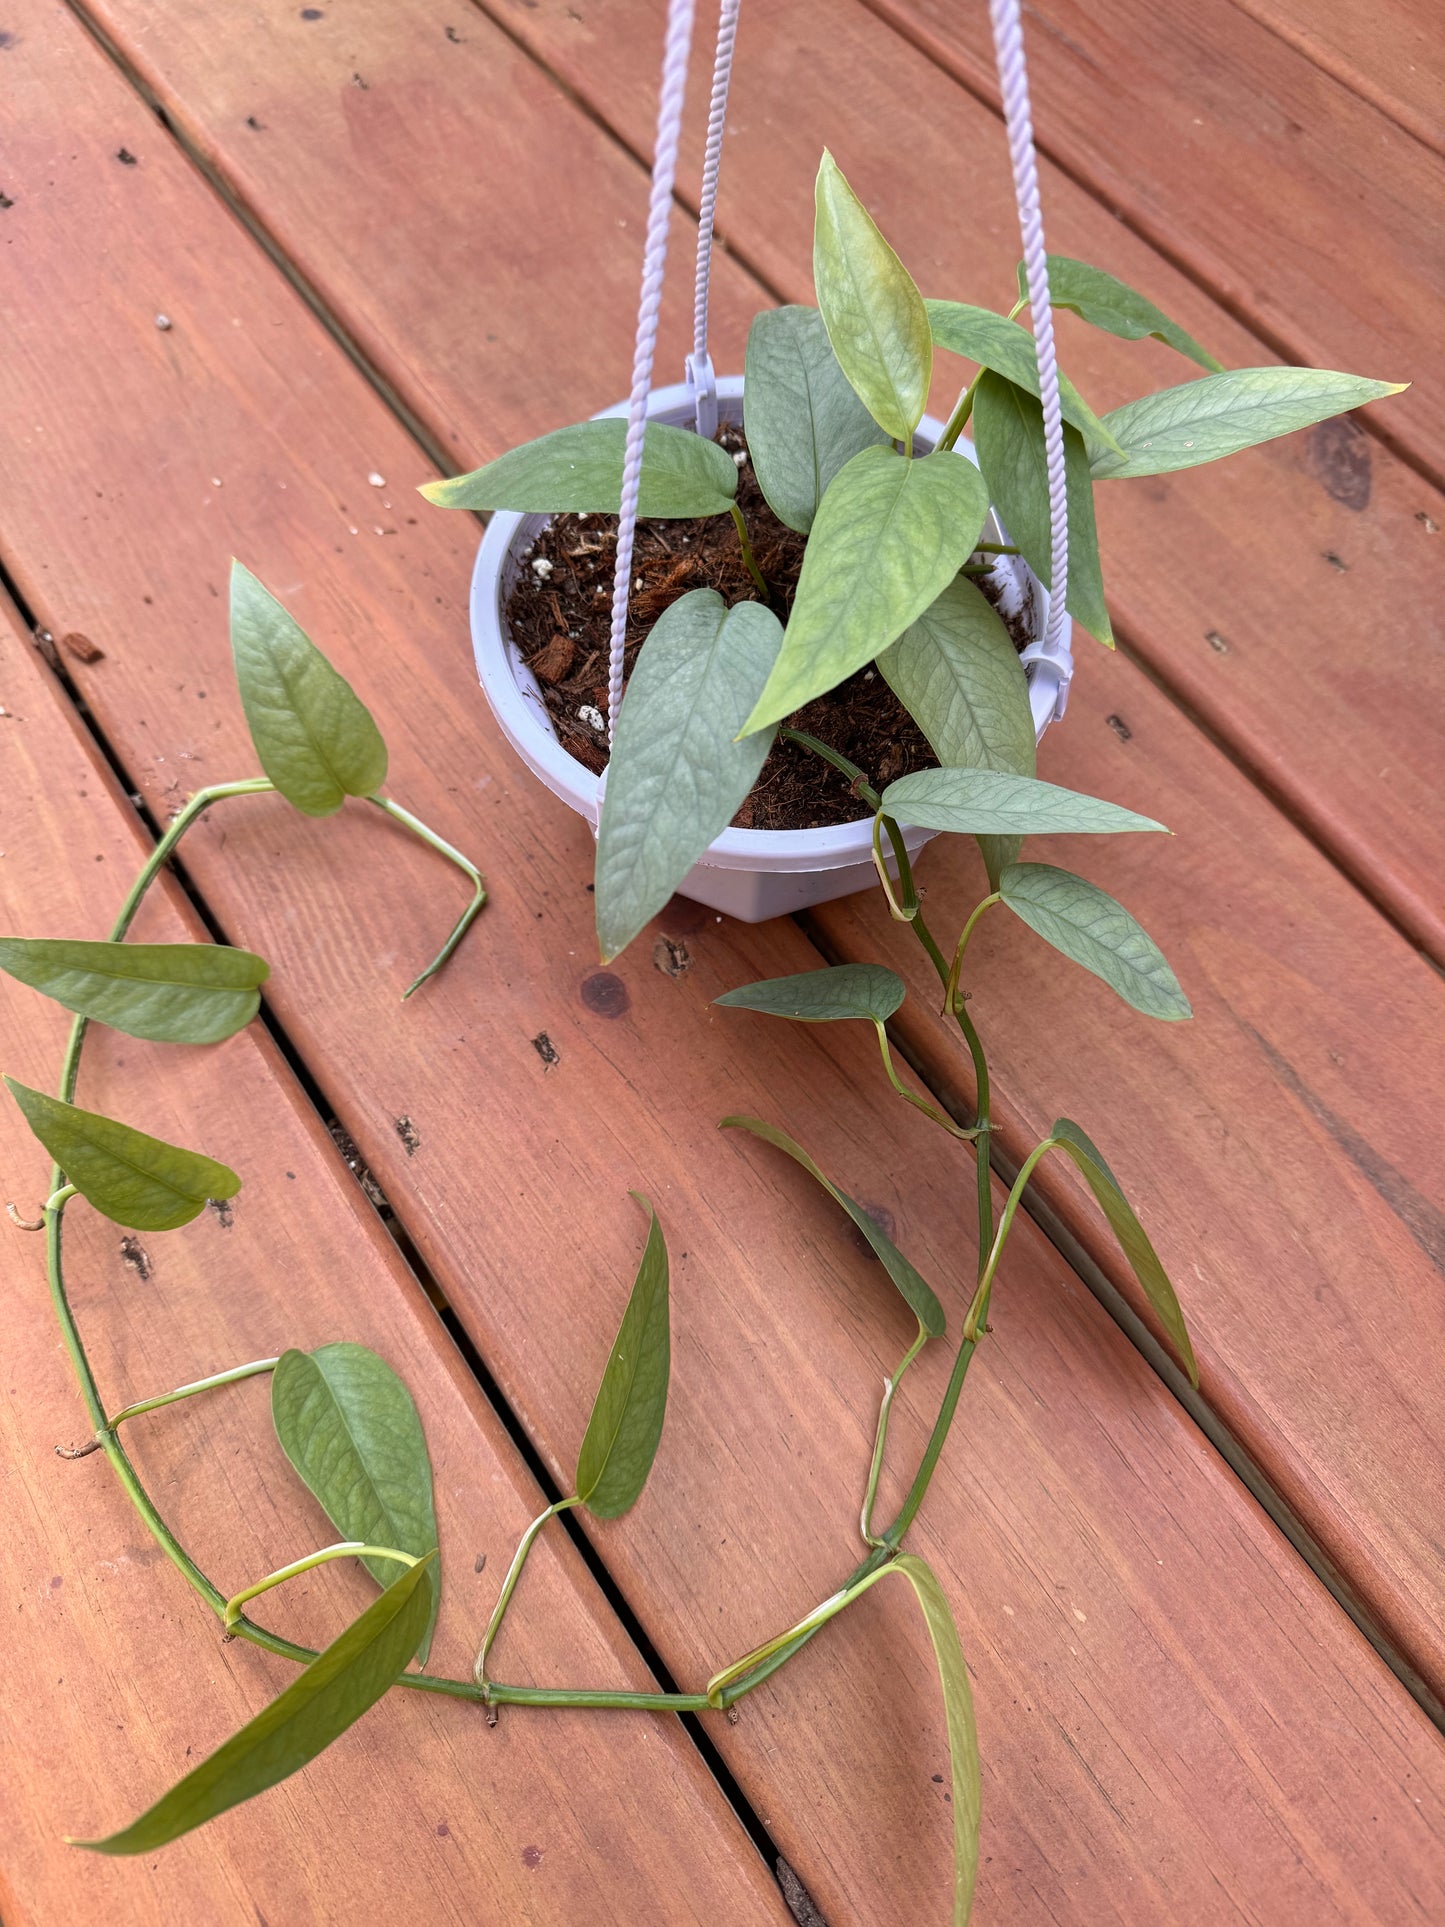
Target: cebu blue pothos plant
[{"x": 832, "y": 402}]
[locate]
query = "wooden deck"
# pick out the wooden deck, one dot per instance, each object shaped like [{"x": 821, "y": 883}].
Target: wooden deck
[{"x": 1207, "y": 1632}]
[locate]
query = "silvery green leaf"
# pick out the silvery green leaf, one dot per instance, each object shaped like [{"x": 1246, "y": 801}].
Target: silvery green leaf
[
  {"x": 678, "y": 774},
  {"x": 625, "y": 1428},
  {"x": 315, "y": 1709},
  {"x": 1106, "y": 302},
  {"x": 348, "y": 1425},
  {"x": 958, "y": 674},
  {"x": 917, "y": 1293},
  {"x": 821, "y": 996},
  {"x": 137, "y": 1181},
  {"x": 1007, "y": 347},
  {"x": 802, "y": 415},
  {"x": 1086, "y": 925},
  {"x": 890, "y": 536},
  {"x": 1008, "y": 433},
  {"x": 170, "y": 993},
  {"x": 579, "y": 470},
  {"x": 1220, "y": 414},
  {"x": 983, "y": 802},
  {"x": 314, "y": 735},
  {"x": 874, "y": 314},
  {"x": 1133, "y": 1239}
]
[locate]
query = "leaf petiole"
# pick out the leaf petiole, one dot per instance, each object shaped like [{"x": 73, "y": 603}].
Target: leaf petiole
[
  {"x": 890, "y": 1387},
  {"x": 951, "y": 1001},
  {"x": 509, "y": 1586},
  {"x": 467, "y": 868},
  {"x": 347, "y": 1549},
  {"x": 930, "y": 1111},
  {"x": 749, "y": 559},
  {"x": 232, "y": 1377}
]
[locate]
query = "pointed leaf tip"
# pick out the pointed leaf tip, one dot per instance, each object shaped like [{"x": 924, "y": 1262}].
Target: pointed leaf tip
[
  {"x": 625, "y": 1428},
  {"x": 315, "y": 737}
]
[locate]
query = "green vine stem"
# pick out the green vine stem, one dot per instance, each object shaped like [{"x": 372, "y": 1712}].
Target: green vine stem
[{"x": 346, "y": 1549}]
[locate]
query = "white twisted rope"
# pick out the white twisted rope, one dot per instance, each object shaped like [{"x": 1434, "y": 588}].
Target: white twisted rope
[
  {"x": 654, "y": 258},
  {"x": 1008, "y": 40},
  {"x": 701, "y": 375}
]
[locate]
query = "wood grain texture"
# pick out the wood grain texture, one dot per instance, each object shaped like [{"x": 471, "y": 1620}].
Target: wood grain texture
[
  {"x": 1390, "y": 54},
  {"x": 1251, "y": 166},
  {"x": 1177, "y": 1722},
  {"x": 116, "y": 1677},
  {"x": 1253, "y": 588}
]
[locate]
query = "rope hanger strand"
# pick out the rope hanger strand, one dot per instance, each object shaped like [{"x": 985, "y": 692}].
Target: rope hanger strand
[{"x": 1004, "y": 16}]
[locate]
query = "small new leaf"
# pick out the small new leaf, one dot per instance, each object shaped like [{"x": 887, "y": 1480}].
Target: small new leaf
[
  {"x": 579, "y": 470},
  {"x": 1007, "y": 348},
  {"x": 348, "y": 1425},
  {"x": 1086, "y": 924},
  {"x": 1220, "y": 414},
  {"x": 823, "y": 996},
  {"x": 1133, "y": 1239},
  {"x": 169, "y": 993},
  {"x": 985, "y": 802},
  {"x": 918, "y": 1294},
  {"x": 626, "y": 1423},
  {"x": 678, "y": 774},
  {"x": 874, "y": 314},
  {"x": 803, "y": 417},
  {"x": 137, "y": 1181},
  {"x": 1008, "y": 432},
  {"x": 962, "y": 1731},
  {"x": 888, "y": 539},
  {"x": 314, "y": 735},
  {"x": 1108, "y": 303},
  {"x": 315, "y": 1709}
]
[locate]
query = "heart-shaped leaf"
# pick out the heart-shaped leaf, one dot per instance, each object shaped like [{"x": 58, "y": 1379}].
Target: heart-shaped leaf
[
  {"x": 137, "y": 1181},
  {"x": 579, "y": 470},
  {"x": 1133, "y": 1238},
  {"x": 626, "y": 1423},
  {"x": 962, "y": 1731},
  {"x": 958, "y": 674},
  {"x": 917, "y": 1293},
  {"x": 312, "y": 732},
  {"x": 170, "y": 993},
  {"x": 890, "y": 536},
  {"x": 315, "y": 1709},
  {"x": 1220, "y": 414},
  {"x": 1108, "y": 303},
  {"x": 822, "y": 996},
  {"x": 804, "y": 419},
  {"x": 1008, "y": 432},
  {"x": 678, "y": 775},
  {"x": 985, "y": 802},
  {"x": 874, "y": 314},
  {"x": 348, "y": 1425},
  {"x": 1007, "y": 347},
  {"x": 1085, "y": 924}
]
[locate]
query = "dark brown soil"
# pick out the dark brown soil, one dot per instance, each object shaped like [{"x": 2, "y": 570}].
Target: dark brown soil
[{"x": 562, "y": 623}]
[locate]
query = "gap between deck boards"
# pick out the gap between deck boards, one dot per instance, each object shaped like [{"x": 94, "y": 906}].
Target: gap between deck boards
[{"x": 1240, "y": 1462}]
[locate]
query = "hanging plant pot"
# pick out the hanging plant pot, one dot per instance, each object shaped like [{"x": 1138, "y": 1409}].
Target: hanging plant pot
[{"x": 749, "y": 874}]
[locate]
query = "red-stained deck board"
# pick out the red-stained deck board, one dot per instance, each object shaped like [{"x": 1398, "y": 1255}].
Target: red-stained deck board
[
  {"x": 116, "y": 1679},
  {"x": 1177, "y": 1721}
]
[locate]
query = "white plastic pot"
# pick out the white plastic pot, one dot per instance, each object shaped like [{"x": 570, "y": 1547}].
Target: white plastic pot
[{"x": 751, "y": 874}]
